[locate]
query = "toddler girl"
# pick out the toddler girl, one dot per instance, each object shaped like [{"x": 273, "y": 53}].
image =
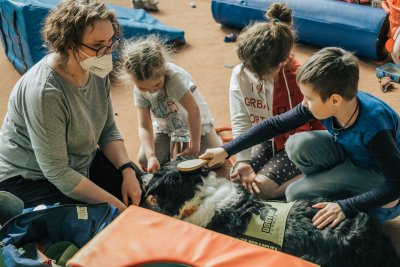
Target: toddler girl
[{"x": 168, "y": 101}]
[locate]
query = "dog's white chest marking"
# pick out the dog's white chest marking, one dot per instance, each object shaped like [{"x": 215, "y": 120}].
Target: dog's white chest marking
[{"x": 216, "y": 194}]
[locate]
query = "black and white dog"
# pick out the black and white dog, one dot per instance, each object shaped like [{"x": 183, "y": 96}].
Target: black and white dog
[{"x": 220, "y": 205}]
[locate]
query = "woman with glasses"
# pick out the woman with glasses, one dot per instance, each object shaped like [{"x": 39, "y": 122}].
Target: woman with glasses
[{"x": 59, "y": 141}]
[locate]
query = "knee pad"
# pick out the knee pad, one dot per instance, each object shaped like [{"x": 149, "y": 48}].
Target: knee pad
[
  {"x": 293, "y": 145},
  {"x": 295, "y": 192},
  {"x": 298, "y": 143}
]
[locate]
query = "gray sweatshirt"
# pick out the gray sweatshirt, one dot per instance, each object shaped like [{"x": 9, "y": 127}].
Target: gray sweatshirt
[{"x": 52, "y": 129}]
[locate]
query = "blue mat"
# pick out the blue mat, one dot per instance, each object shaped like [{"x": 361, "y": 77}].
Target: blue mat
[
  {"x": 358, "y": 28},
  {"x": 21, "y": 22}
]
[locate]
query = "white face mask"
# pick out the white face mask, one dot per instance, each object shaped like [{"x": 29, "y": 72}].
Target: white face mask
[{"x": 100, "y": 66}]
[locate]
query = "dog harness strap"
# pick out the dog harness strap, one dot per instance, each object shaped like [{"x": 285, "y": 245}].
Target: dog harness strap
[{"x": 126, "y": 165}]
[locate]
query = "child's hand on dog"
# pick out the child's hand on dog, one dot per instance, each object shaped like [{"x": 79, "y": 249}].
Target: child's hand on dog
[
  {"x": 153, "y": 165},
  {"x": 214, "y": 156},
  {"x": 330, "y": 215},
  {"x": 245, "y": 175}
]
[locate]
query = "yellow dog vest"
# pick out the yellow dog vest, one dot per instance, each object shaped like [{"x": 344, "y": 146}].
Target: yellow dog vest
[{"x": 268, "y": 232}]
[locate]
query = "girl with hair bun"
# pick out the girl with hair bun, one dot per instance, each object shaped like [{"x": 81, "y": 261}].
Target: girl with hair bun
[{"x": 261, "y": 86}]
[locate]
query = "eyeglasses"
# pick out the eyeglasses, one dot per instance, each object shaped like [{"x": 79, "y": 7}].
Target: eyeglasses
[{"x": 104, "y": 49}]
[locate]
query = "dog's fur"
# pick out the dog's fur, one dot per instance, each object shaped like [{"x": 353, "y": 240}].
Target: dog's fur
[{"x": 225, "y": 207}]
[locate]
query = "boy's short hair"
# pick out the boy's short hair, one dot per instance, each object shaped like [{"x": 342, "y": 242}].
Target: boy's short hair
[{"x": 331, "y": 70}]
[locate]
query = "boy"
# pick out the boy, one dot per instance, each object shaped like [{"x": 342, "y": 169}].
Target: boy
[{"x": 357, "y": 160}]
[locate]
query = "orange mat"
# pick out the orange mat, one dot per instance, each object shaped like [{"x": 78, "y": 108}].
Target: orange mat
[{"x": 139, "y": 236}]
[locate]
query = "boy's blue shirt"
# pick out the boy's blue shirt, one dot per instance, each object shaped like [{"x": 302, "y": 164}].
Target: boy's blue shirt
[
  {"x": 374, "y": 116},
  {"x": 370, "y": 143}
]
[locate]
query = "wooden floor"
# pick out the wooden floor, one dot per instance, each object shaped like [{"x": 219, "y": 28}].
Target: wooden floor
[{"x": 204, "y": 56}]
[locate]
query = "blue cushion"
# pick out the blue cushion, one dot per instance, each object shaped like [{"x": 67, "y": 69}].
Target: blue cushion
[{"x": 358, "y": 28}]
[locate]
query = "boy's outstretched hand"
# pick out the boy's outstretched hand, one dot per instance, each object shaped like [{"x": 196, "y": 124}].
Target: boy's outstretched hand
[
  {"x": 330, "y": 215},
  {"x": 214, "y": 156}
]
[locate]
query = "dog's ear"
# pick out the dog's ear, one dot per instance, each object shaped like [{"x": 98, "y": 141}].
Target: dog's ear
[{"x": 173, "y": 188}]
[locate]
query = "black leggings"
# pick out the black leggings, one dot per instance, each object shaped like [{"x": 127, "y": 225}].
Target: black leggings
[
  {"x": 277, "y": 167},
  {"x": 36, "y": 192}
]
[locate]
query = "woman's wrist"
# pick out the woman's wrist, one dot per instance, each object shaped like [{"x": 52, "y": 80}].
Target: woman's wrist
[
  {"x": 125, "y": 166},
  {"x": 128, "y": 169}
]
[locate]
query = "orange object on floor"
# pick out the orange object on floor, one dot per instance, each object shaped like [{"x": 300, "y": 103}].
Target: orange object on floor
[
  {"x": 139, "y": 236},
  {"x": 392, "y": 7}
]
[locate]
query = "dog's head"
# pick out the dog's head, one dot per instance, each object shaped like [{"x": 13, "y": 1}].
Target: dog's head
[{"x": 168, "y": 189}]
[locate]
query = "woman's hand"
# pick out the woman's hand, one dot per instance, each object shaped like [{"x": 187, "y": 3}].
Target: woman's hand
[
  {"x": 214, "y": 156},
  {"x": 245, "y": 175},
  {"x": 330, "y": 215},
  {"x": 153, "y": 164},
  {"x": 130, "y": 187}
]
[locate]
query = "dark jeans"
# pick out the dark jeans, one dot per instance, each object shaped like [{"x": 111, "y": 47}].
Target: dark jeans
[{"x": 36, "y": 192}]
